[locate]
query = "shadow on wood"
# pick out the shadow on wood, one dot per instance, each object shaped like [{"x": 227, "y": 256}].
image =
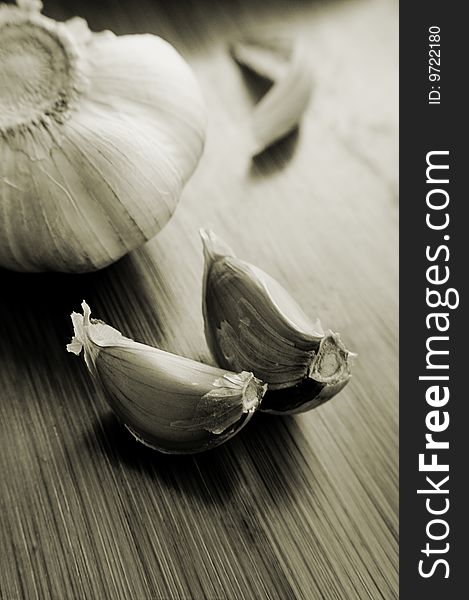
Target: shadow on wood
[
  {"x": 267, "y": 444},
  {"x": 39, "y": 305}
]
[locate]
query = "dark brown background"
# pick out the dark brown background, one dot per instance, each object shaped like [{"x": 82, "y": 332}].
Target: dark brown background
[{"x": 301, "y": 507}]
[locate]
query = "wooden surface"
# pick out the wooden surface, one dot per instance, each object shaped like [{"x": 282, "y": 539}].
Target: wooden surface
[{"x": 302, "y": 507}]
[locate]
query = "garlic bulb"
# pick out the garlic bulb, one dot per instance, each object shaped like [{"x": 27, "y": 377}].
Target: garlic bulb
[
  {"x": 170, "y": 403},
  {"x": 252, "y": 323},
  {"x": 98, "y": 135}
]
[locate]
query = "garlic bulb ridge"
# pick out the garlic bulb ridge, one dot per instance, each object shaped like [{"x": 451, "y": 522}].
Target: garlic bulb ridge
[{"x": 98, "y": 135}]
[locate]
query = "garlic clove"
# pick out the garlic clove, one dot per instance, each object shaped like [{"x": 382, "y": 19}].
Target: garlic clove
[
  {"x": 171, "y": 403},
  {"x": 285, "y": 315},
  {"x": 251, "y": 322},
  {"x": 250, "y": 318},
  {"x": 94, "y": 157},
  {"x": 281, "y": 109}
]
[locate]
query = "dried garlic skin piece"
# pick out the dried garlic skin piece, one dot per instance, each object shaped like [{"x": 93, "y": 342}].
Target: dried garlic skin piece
[
  {"x": 172, "y": 404},
  {"x": 284, "y": 62},
  {"x": 98, "y": 135},
  {"x": 251, "y": 322}
]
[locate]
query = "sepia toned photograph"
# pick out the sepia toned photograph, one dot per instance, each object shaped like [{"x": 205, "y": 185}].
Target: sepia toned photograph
[{"x": 199, "y": 298}]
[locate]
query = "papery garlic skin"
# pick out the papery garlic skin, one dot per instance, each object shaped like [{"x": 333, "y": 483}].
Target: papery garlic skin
[
  {"x": 250, "y": 319},
  {"x": 170, "y": 403},
  {"x": 98, "y": 135}
]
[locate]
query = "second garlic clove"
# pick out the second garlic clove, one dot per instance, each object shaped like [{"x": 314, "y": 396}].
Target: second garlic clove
[{"x": 252, "y": 322}]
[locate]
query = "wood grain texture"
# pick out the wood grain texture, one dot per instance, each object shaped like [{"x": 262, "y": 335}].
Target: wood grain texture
[{"x": 302, "y": 507}]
